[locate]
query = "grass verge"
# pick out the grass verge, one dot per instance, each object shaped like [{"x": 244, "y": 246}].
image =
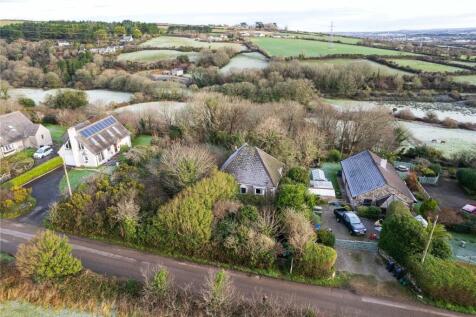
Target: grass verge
[{"x": 37, "y": 171}]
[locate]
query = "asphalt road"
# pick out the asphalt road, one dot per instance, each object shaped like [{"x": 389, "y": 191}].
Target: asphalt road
[
  {"x": 123, "y": 262},
  {"x": 45, "y": 190}
]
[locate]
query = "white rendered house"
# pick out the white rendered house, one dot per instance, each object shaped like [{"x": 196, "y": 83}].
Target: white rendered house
[{"x": 93, "y": 144}]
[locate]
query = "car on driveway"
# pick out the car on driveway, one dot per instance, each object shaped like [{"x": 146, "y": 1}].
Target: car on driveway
[
  {"x": 402, "y": 168},
  {"x": 43, "y": 151},
  {"x": 350, "y": 220}
]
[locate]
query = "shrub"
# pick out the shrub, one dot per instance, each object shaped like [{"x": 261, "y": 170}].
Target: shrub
[
  {"x": 160, "y": 283},
  {"x": 67, "y": 99},
  {"x": 428, "y": 207},
  {"x": 182, "y": 166},
  {"x": 185, "y": 222},
  {"x": 295, "y": 196},
  {"x": 317, "y": 261},
  {"x": 47, "y": 256},
  {"x": 370, "y": 212},
  {"x": 298, "y": 231},
  {"x": 219, "y": 292},
  {"x": 334, "y": 156},
  {"x": 299, "y": 175},
  {"x": 37, "y": 171},
  {"x": 402, "y": 235},
  {"x": 26, "y": 102},
  {"x": 445, "y": 280},
  {"x": 326, "y": 237},
  {"x": 467, "y": 178}
]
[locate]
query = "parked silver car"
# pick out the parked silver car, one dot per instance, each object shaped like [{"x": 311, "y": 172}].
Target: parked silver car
[{"x": 43, "y": 151}]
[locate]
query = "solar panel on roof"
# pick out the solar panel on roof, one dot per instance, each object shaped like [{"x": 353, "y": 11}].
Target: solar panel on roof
[{"x": 98, "y": 126}]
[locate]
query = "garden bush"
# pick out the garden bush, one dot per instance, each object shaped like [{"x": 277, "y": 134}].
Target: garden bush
[
  {"x": 26, "y": 102},
  {"x": 15, "y": 201},
  {"x": 428, "y": 207},
  {"x": 67, "y": 99},
  {"x": 295, "y": 196},
  {"x": 467, "y": 178},
  {"x": 299, "y": 175},
  {"x": 370, "y": 212},
  {"x": 317, "y": 261},
  {"x": 185, "y": 223},
  {"x": 334, "y": 156},
  {"x": 47, "y": 256},
  {"x": 37, "y": 171},
  {"x": 445, "y": 280},
  {"x": 326, "y": 237}
]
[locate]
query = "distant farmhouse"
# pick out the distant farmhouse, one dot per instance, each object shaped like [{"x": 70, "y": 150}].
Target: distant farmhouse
[
  {"x": 93, "y": 144},
  {"x": 256, "y": 171},
  {"x": 17, "y": 132},
  {"x": 369, "y": 179},
  {"x": 126, "y": 39}
]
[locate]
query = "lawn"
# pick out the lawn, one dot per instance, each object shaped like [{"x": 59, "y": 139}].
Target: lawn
[
  {"x": 295, "y": 47},
  {"x": 76, "y": 177},
  {"x": 426, "y": 66},
  {"x": 468, "y": 253},
  {"x": 142, "y": 140},
  {"x": 56, "y": 132},
  {"x": 376, "y": 67},
  {"x": 331, "y": 170},
  {"x": 150, "y": 56},
  {"x": 470, "y": 79},
  {"x": 175, "y": 42},
  {"x": 342, "y": 39}
]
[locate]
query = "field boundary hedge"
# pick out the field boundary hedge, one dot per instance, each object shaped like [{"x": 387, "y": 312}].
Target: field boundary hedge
[{"x": 36, "y": 172}]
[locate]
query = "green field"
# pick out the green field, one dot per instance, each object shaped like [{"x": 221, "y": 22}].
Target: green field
[
  {"x": 151, "y": 56},
  {"x": 175, "y": 42},
  {"x": 426, "y": 66},
  {"x": 325, "y": 37},
  {"x": 295, "y": 47},
  {"x": 471, "y": 79},
  {"x": 383, "y": 69},
  {"x": 331, "y": 170},
  {"x": 142, "y": 140},
  {"x": 472, "y": 64},
  {"x": 7, "y": 22},
  {"x": 77, "y": 176},
  {"x": 56, "y": 132}
]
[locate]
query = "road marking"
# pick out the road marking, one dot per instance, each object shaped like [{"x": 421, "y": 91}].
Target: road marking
[
  {"x": 18, "y": 234},
  {"x": 103, "y": 253},
  {"x": 403, "y": 306}
]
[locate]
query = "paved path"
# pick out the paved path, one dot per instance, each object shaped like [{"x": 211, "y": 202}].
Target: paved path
[
  {"x": 114, "y": 260},
  {"x": 45, "y": 190}
]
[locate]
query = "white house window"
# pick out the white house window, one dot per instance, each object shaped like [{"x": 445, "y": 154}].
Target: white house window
[
  {"x": 100, "y": 157},
  {"x": 68, "y": 145},
  {"x": 243, "y": 189},
  {"x": 85, "y": 158},
  {"x": 42, "y": 136},
  {"x": 81, "y": 147},
  {"x": 259, "y": 191},
  {"x": 8, "y": 148}
]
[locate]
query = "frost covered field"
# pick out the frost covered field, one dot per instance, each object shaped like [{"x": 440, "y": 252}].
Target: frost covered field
[
  {"x": 96, "y": 96},
  {"x": 456, "y": 111},
  {"x": 167, "y": 107},
  {"x": 455, "y": 140},
  {"x": 243, "y": 61}
]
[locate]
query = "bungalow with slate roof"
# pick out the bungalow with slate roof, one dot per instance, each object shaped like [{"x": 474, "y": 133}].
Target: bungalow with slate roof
[
  {"x": 369, "y": 179},
  {"x": 17, "y": 132},
  {"x": 256, "y": 171},
  {"x": 93, "y": 144}
]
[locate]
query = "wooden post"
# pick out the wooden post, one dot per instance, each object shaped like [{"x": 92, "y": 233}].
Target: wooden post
[
  {"x": 429, "y": 240},
  {"x": 67, "y": 180}
]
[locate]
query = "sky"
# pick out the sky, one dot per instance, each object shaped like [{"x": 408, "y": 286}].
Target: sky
[{"x": 308, "y": 15}]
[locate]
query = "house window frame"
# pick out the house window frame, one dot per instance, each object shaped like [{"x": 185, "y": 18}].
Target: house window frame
[
  {"x": 100, "y": 156},
  {"x": 261, "y": 189},
  {"x": 67, "y": 145},
  {"x": 243, "y": 188},
  {"x": 81, "y": 146}
]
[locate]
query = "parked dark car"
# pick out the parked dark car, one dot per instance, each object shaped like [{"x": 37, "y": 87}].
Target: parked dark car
[{"x": 350, "y": 220}]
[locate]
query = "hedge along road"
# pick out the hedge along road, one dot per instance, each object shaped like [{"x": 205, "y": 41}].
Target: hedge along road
[{"x": 123, "y": 262}]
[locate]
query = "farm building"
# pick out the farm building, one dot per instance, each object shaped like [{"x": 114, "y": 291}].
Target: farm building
[
  {"x": 369, "y": 179},
  {"x": 320, "y": 185},
  {"x": 257, "y": 172},
  {"x": 126, "y": 39},
  {"x": 17, "y": 132},
  {"x": 93, "y": 144}
]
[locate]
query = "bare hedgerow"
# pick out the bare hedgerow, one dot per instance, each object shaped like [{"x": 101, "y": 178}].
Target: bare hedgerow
[
  {"x": 298, "y": 230},
  {"x": 218, "y": 294}
]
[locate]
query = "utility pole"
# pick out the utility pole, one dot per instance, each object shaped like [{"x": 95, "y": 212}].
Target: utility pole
[
  {"x": 67, "y": 179},
  {"x": 429, "y": 240},
  {"x": 331, "y": 36}
]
